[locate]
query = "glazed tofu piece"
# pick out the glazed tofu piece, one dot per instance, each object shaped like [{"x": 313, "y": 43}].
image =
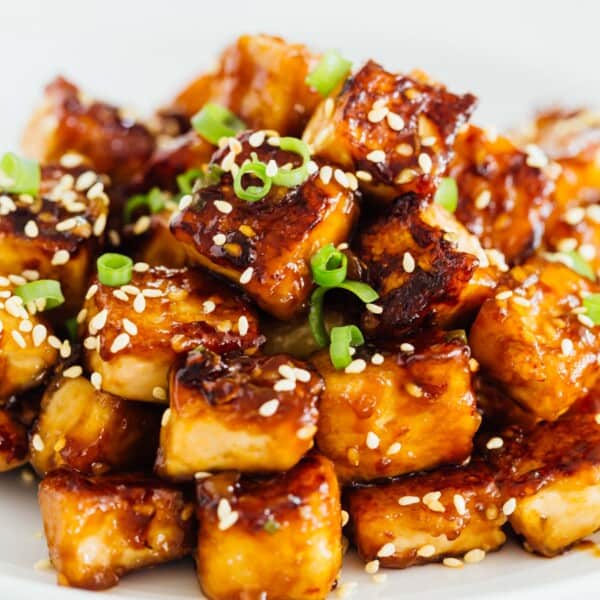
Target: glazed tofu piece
[
  {"x": 28, "y": 348},
  {"x": 243, "y": 413},
  {"x": 266, "y": 246},
  {"x": 531, "y": 339},
  {"x": 427, "y": 517},
  {"x": 395, "y": 131},
  {"x": 502, "y": 199},
  {"x": 428, "y": 269},
  {"x": 56, "y": 234},
  {"x": 100, "y": 528},
  {"x": 14, "y": 450},
  {"x": 83, "y": 428},
  {"x": 68, "y": 122},
  {"x": 382, "y": 417},
  {"x": 135, "y": 332},
  {"x": 246, "y": 523},
  {"x": 550, "y": 480},
  {"x": 261, "y": 79}
]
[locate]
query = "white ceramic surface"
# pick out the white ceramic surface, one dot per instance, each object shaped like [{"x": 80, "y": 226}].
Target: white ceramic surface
[{"x": 514, "y": 55}]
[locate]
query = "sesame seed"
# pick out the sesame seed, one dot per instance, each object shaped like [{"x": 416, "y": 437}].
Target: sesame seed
[
  {"x": 414, "y": 390},
  {"x": 286, "y": 371},
  {"x": 364, "y": 176},
  {"x": 394, "y": 448},
  {"x": 302, "y": 375},
  {"x": 473, "y": 365},
  {"x": 386, "y": 550},
  {"x": 376, "y": 156},
  {"x": 19, "y": 339},
  {"x": 139, "y": 303},
  {"x": 120, "y": 295},
  {"x": 408, "y": 262},
  {"x": 39, "y": 334},
  {"x": 428, "y": 141},
  {"x": 377, "y": 359},
  {"x": 201, "y": 475},
  {"x": 130, "y": 327},
  {"x": 96, "y": 192},
  {"x": 358, "y": 365},
  {"x": 91, "y": 292},
  {"x": 274, "y": 141},
  {"x": 426, "y": 551},
  {"x": 268, "y": 408},
  {"x": 312, "y": 167},
  {"x": 307, "y": 432},
  {"x": 504, "y": 295},
  {"x": 66, "y": 225},
  {"x": 73, "y": 372},
  {"x": 100, "y": 225},
  {"x": 14, "y": 307},
  {"x": 425, "y": 163},
  {"x": 341, "y": 178},
  {"x": 474, "y": 556},
  {"x": 208, "y": 306},
  {"x": 483, "y": 199},
  {"x": 574, "y": 215},
  {"x": 96, "y": 380},
  {"x": 495, "y": 443},
  {"x": 120, "y": 343},
  {"x": 284, "y": 385},
  {"x": 90, "y": 343},
  {"x": 98, "y": 321},
  {"x": 408, "y": 500},
  {"x": 256, "y": 139},
  {"x": 395, "y": 121},
  {"x": 376, "y": 115},
  {"x": 405, "y": 176},
  {"x": 243, "y": 325},
  {"x": 17, "y": 279},
  {"x": 228, "y": 520},
  {"x": 54, "y": 342},
  {"x": 65, "y": 349},
  {"x": 185, "y": 201},
  {"x": 566, "y": 245},
  {"x": 37, "y": 442},
  {"x": 31, "y": 229},
  {"x": 372, "y": 440},
  {"x": 85, "y": 181},
  {"x": 432, "y": 501},
  {"x": 374, "y": 308},
  {"x": 508, "y": 508},
  {"x": 587, "y": 251},
  {"x": 372, "y": 567},
  {"x": 459, "y": 504},
  {"x": 159, "y": 393},
  {"x": 246, "y": 276},
  {"x": 141, "y": 267},
  {"x": 345, "y": 518},
  {"x": 223, "y": 206},
  {"x": 25, "y": 326},
  {"x": 406, "y": 347},
  {"x": 521, "y": 301},
  {"x": 60, "y": 257},
  {"x": 567, "y": 347},
  {"x": 325, "y": 174},
  {"x": 585, "y": 320},
  {"x": 165, "y": 417},
  {"x": 453, "y": 563},
  {"x": 272, "y": 168},
  {"x": 219, "y": 239}
]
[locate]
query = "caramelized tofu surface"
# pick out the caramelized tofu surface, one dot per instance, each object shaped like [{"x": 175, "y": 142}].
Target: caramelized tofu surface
[
  {"x": 551, "y": 476},
  {"x": 228, "y": 413},
  {"x": 426, "y": 267},
  {"x": 531, "y": 339},
  {"x": 69, "y": 122},
  {"x": 427, "y": 517},
  {"x": 502, "y": 199},
  {"x": 100, "y": 528},
  {"x": 266, "y": 246},
  {"x": 385, "y": 420},
  {"x": 93, "y": 432},
  {"x": 140, "y": 328},
  {"x": 278, "y": 537},
  {"x": 56, "y": 234},
  {"x": 260, "y": 78},
  {"x": 13, "y": 441},
  {"x": 397, "y": 130}
]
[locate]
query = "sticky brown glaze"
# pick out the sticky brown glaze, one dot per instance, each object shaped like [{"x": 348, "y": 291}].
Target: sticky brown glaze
[
  {"x": 91, "y": 431},
  {"x": 502, "y": 200},
  {"x": 100, "y": 528},
  {"x": 274, "y": 237},
  {"x": 67, "y": 121},
  {"x": 349, "y": 129},
  {"x": 401, "y": 402},
  {"x": 427, "y": 517},
  {"x": 72, "y": 200},
  {"x": 294, "y": 517},
  {"x": 553, "y": 474},
  {"x": 14, "y": 450},
  {"x": 261, "y": 79},
  {"x": 450, "y": 278},
  {"x": 519, "y": 340},
  {"x": 173, "y": 314},
  {"x": 219, "y": 400}
]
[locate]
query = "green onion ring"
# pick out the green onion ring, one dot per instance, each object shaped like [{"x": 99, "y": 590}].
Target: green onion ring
[
  {"x": 214, "y": 122},
  {"x": 342, "y": 338},
  {"x": 114, "y": 269},
  {"x": 47, "y": 289}
]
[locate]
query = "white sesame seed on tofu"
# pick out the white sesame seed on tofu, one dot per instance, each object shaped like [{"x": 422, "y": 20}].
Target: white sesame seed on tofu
[
  {"x": 345, "y": 517},
  {"x": 574, "y": 215},
  {"x": 268, "y": 408},
  {"x": 509, "y": 507},
  {"x": 120, "y": 343},
  {"x": 386, "y": 550},
  {"x": 474, "y": 556},
  {"x": 483, "y": 199},
  {"x": 394, "y": 448},
  {"x": 395, "y": 121},
  {"x": 256, "y": 139},
  {"x": 364, "y": 176},
  {"x": 372, "y": 567},
  {"x": 31, "y": 229},
  {"x": 96, "y": 380},
  {"x": 376, "y": 115},
  {"x": 372, "y": 440},
  {"x": 139, "y": 303},
  {"x": 228, "y": 520},
  {"x": 246, "y": 276},
  {"x": 37, "y": 442},
  {"x": 377, "y": 359},
  {"x": 286, "y": 371},
  {"x": 425, "y": 162},
  {"x": 219, "y": 239},
  {"x": 374, "y": 308},
  {"x": 19, "y": 339},
  {"x": 164, "y": 421},
  {"x": 302, "y": 375},
  {"x": 325, "y": 174},
  {"x": 505, "y": 295},
  {"x": 567, "y": 347},
  {"x": 408, "y": 500},
  {"x": 130, "y": 327},
  {"x": 358, "y": 365},
  {"x": 341, "y": 178},
  {"x": 406, "y": 347},
  {"x": 243, "y": 325},
  {"x": 453, "y": 563},
  {"x": 426, "y": 551},
  {"x": 495, "y": 443},
  {"x": 585, "y": 320},
  {"x": 223, "y": 206},
  {"x": 408, "y": 262},
  {"x": 306, "y": 432},
  {"x": 459, "y": 504},
  {"x": 39, "y": 334},
  {"x": 98, "y": 321},
  {"x": 376, "y": 156},
  {"x": 73, "y": 372},
  {"x": 285, "y": 385}
]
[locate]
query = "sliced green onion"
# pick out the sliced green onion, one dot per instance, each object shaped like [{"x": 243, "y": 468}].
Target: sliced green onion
[
  {"x": 271, "y": 526},
  {"x": 71, "y": 326},
  {"x": 19, "y": 175},
  {"x": 114, "y": 269},
  {"x": 293, "y": 177},
  {"x": 329, "y": 72},
  {"x": 46, "y": 289},
  {"x": 253, "y": 192},
  {"x": 342, "y": 338},
  {"x": 363, "y": 291},
  {"x": 316, "y": 322},
  {"x": 185, "y": 181},
  {"x": 592, "y": 304},
  {"x": 329, "y": 266},
  {"x": 214, "y": 122},
  {"x": 574, "y": 261},
  {"x": 457, "y": 334},
  {"x": 154, "y": 201},
  {"x": 447, "y": 194}
]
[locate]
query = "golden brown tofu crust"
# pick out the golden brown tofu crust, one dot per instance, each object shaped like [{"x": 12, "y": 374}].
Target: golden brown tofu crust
[
  {"x": 221, "y": 399},
  {"x": 502, "y": 200},
  {"x": 414, "y": 153},
  {"x": 261, "y": 79},
  {"x": 272, "y": 239},
  {"x": 100, "y": 528},
  {"x": 453, "y": 510},
  {"x": 385, "y": 420},
  {"x": 518, "y": 337},
  {"x": 295, "y": 516},
  {"x": 426, "y": 267}
]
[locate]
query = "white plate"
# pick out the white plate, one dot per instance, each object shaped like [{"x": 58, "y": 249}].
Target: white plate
[{"x": 514, "y": 55}]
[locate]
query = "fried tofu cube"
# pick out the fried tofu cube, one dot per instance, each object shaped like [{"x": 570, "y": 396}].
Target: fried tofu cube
[
  {"x": 93, "y": 432},
  {"x": 550, "y": 480},
  {"x": 100, "y": 528},
  {"x": 14, "y": 448},
  {"x": 261, "y": 79},
  {"x": 245, "y": 522},
  {"x": 385, "y": 420},
  {"x": 395, "y": 131},
  {"x": 428, "y": 269},
  {"x": 266, "y": 246},
  {"x": 427, "y": 517},
  {"x": 55, "y": 235},
  {"x": 69, "y": 122},
  {"x": 235, "y": 403},
  {"x": 531, "y": 340},
  {"x": 28, "y": 350},
  {"x": 135, "y": 332},
  {"x": 502, "y": 199}
]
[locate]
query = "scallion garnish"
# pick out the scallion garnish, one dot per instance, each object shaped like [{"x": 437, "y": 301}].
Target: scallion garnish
[
  {"x": 19, "y": 175},
  {"x": 329, "y": 266},
  {"x": 185, "y": 181},
  {"x": 329, "y": 72},
  {"x": 293, "y": 177},
  {"x": 214, "y": 122},
  {"x": 342, "y": 339},
  {"x": 154, "y": 201},
  {"x": 363, "y": 291},
  {"x": 252, "y": 193},
  {"x": 447, "y": 194},
  {"x": 114, "y": 269},
  {"x": 316, "y": 322},
  {"x": 592, "y": 305},
  {"x": 43, "y": 289},
  {"x": 574, "y": 261}
]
